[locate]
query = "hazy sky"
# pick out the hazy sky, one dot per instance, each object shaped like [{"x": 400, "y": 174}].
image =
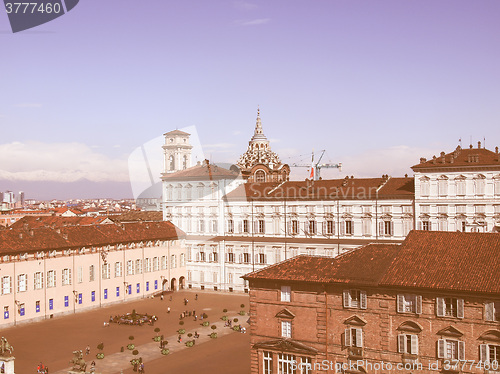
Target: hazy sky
[{"x": 377, "y": 84}]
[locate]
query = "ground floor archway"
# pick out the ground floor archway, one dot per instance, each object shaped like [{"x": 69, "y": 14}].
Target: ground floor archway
[
  {"x": 182, "y": 283},
  {"x": 173, "y": 284}
]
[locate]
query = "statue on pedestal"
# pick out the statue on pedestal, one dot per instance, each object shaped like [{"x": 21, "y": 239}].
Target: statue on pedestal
[
  {"x": 78, "y": 362},
  {"x": 5, "y": 348}
]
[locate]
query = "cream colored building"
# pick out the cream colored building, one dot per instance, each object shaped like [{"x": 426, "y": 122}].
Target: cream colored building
[{"x": 50, "y": 271}]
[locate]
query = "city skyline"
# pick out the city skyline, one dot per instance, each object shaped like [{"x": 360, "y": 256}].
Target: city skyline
[{"x": 410, "y": 79}]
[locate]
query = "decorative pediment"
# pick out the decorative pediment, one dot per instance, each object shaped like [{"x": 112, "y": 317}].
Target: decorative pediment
[
  {"x": 410, "y": 326},
  {"x": 286, "y": 345},
  {"x": 285, "y": 313},
  {"x": 355, "y": 321},
  {"x": 450, "y": 331},
  {"x": 491, "y": 335}
]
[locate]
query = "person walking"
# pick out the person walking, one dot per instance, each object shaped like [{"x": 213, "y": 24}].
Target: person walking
[
  {"x": 161, "y": 297},
  {"x": 168, "y": 310}
]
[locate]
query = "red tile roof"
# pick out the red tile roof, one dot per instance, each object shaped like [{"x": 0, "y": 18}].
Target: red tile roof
[
  {"x": 461, "y": 157},
  {"x": 327, "y": 189},
  {"x": 200, "y": 172},
  {"x": 176, "y": 132},
  {"x": 48, "y": 238},
  {"x": 54, "y": 221},
  {"x": 447, "y": 260},
  {"x": 364, "y": 266},
  {"x": 452, "y": 261}
]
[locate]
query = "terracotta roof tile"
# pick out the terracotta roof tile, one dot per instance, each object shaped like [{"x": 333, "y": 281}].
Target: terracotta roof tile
[
  {"x": 460, "y": 157},
  {"x": 327, "y": 189},
  {"x": 49, "y": 238},
  {"x": 363, "y": 266},
  {"x": 447, "y": 260},
  {"x": 200, "y": 172},
  {"x": 452, "y": 261}
]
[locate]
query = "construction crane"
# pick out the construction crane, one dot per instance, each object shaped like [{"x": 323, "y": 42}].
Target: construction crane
[{"x": 316, "y": 167}]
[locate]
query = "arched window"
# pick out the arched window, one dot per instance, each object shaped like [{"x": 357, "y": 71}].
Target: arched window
[
  {"x": 260, "y": 176},
  {"x": 171, "y": 161}
]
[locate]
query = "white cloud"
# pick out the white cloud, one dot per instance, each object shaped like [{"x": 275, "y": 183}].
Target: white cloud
[
  {"x": 254, "y": 22},
  {"x": 29, "y": 105},
  {"x": 62, "y": 162},
  {"x": 219, "y": 146}
]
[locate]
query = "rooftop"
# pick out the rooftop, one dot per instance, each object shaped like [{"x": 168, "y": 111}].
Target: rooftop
[{"x": 452, "y": 261}]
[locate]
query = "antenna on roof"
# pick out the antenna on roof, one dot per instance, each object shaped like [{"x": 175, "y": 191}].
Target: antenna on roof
[
  {"x": 484, "y": 142},
  {"x": 460, "y": 142},
  {"x": 470, "y": 140}
]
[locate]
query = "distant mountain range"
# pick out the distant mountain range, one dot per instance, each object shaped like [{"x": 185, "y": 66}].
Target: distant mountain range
[{"x": 81, "y": 189}]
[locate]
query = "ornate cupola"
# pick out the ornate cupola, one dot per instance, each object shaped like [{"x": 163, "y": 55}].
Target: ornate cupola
[{"x": 259, "y": 163}]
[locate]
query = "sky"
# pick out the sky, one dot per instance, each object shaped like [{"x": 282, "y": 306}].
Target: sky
[{"x": 377, "y": 84}]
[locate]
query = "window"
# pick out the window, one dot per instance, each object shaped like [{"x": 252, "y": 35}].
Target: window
[
  {"x": 367, "y": 226},
  {"x": 138, "y": 288},
  {"x": 450, "y": 307},
  {"x": 156, "y": 264},
  {"x": 164, "y": 261},
  {"x": 5, "y": 312},
  {"x": 22, "y": 309},
  {"x": 79, "y": 274},
  {"x": 286, "y": 329},
  {"x": 173, "y": 262},
  {"x": 353, "y": 337},
  {"x": 268, "y": 362},
  {"x": 260, "y": 176},
  {"x": 105, "y": 293},
  {"x": 408, "y": 343},
  {"x": 106, "y": 270},
  {"x": 479, "y": 183},
  {"x": 230, "y": 226},
  {"x": 312, "y": 227},
  {"x": 388, "y": 228},
  {"x": 38, "y": 280},
  {"x": 147, "y": 286},
  {"x": 443, "y": 186},
  {"x": 138, "y": 266},
  {"x": 51, "y": 278},
  {"x": 355, "y": 299},
  {"x": 66, "y": 301},
  {"x": 22, "y": 282},
  {"x": 424, "y": 186},
  {"x": 261, "y": 228},
  {"x": 408, "y": 303},
  {"x": 305, "y": 365},
  {"x": 492, "y": 311},
  {"x": 202, "y": 256},
  {"x": 245, "y": 225},
  {"x": 91, "y": 273},
  {"x": 51, "y": 304},
  {"x": 348, "y": 227},
  {"x": 286, "y": 363},
  {"x": 130, "y": 267},
  {"x": 295, "y": 227},
  {"x": 497, "y": 185},
  {"x": 330, "y": 228},
  {"x": 92, "y": 296},
  {"x": 489, "y": 353},
  {"x": 80, "y": 298},
  {"x": 286, "y": 292},
  {"x": 182, "y": 261},
  {"x": 118, "y": 269},
  {"x": 460, "y": 183},
  {"x": 66, "y": 277},
  {"x": 215, "y": 226},
  {"x": 426, "y": 225},
  {"x": 6, "y": 285},
  {"x": 451, "y": 349},
  {"x": 201, "y": 225},
  {"x": 246, "y": 258},
  {"x": 262, "y": 258}
]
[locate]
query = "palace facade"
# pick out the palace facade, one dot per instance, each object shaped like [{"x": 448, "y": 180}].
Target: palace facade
[
  {"x": 250, "y": 215},
  {"x": 430, "y": 304},
  {"x": 63, "y": 267}
]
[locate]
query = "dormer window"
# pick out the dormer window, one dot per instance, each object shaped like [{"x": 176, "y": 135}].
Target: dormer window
[
  {"x": 450, "y": 307},
  {"x": 409, "y": 303}
]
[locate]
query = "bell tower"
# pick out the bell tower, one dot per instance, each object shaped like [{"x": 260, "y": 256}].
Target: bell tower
[{"x": 177, "y": 151}]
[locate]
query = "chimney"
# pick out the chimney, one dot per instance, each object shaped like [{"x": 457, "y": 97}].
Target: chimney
[
  {"x": 479, "y": 145},
  {"x": 496, "y": 150},
  {"x": 422, "y": 160},
  {"x": 443, "y": 160}
]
